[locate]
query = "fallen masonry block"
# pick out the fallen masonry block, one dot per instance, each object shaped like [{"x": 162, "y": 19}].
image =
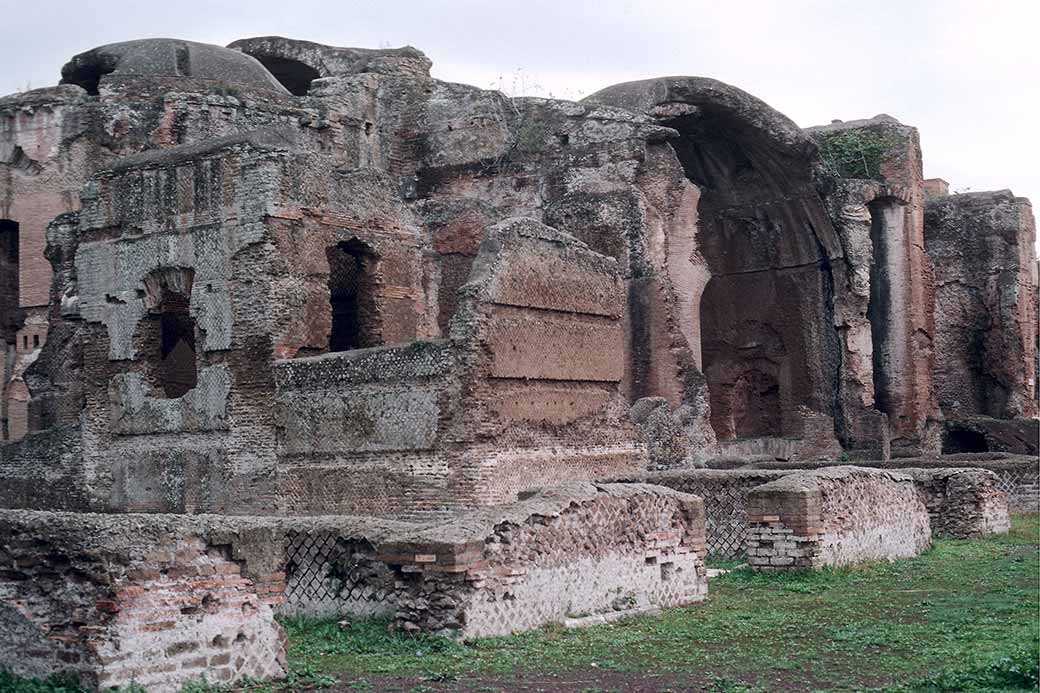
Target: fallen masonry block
[
  {"x": 836, "y": 516},
  {"x": 575, "y": 554}
]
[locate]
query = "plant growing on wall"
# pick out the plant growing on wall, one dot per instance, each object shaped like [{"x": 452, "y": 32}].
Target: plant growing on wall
[{"x": 854, "y": 153}]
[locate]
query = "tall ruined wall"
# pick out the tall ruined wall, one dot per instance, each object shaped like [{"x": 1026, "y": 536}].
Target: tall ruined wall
[
  {"x": 768, "y": 293},
  {"x": 52, "y": 140},
  {"x": 768, "y": 271},
  {"x": 470, "y": 158},
  {"x": 465, "y": 158},
  {"x": 983, "y": 248},
  {"x": 874, "y": 184},
  {"x": 189, "y": 226},
  {"x": 524, "y": 392}
]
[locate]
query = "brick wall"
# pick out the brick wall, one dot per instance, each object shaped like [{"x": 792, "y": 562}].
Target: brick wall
[
  {"x": 962, "y": 503},
  {"x": 577, "y": 554},
  {"x": 1017, "y": 475},
  {"x": 524, "y": 392},
  {"x": 834, "y": 517},
  {"x": 724, "y": 493},
  {"x": 59, "y": 451},
  {"x": 157, "y": 600},
  {"x": 161, "y": 599}
]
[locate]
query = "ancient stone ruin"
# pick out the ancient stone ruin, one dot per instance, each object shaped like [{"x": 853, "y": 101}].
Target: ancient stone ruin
[{"x": 297, "y": 329}]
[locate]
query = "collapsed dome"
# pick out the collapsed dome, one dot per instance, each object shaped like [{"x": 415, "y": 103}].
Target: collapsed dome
[{"x": 158, "y": 58}]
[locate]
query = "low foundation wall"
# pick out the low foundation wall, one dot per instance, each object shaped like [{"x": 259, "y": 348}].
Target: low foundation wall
[
  {"x": 724, "y": 493},
  {"x": 834, "y": 517},
  {"x": 156, "y": 600},
  {"x": 577, "y": 554},
  {"x": 962, "y": 503},
  {"x": 1017, "y": 475},
  {"x": 162, "y": 599}
]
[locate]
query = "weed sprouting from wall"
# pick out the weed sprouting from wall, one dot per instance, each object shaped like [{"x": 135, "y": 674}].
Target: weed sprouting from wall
[{"x": 854, "y": 153}]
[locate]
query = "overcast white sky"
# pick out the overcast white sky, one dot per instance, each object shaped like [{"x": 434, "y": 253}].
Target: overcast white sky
[{"x": 963, "y": 71}]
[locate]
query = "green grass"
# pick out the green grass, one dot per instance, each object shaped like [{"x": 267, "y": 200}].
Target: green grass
[
  {"x": 54, "y": 684},
  {"x": 961, "y": 617}
]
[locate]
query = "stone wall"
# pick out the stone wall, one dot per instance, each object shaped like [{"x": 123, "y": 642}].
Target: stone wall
[
  {"x": 983, "y": 248},
  {"x": 962, "y": 503},
  {"x": 524, "y": 392},
  {"x": 155, "y": 600},
  {"x": 53, "y": 139},
  {"x": 724, "y": 493},
  {"x": 576, "y": 554},
  {"x": 161, "y": 599},
  {"x": 1017, "y": 475},
  {"x": 835, "y": 517},
  {"x": 46, "y": 470},
  {"x": 379, "y": 413},
  {"x": 884, "y": 311}
]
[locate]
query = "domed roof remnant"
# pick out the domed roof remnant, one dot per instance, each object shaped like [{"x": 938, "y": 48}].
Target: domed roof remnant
[
  {"x": 164, "y": 57},
  {"x": 666, "y": 98},
  {"x": 297, "y": 63}
]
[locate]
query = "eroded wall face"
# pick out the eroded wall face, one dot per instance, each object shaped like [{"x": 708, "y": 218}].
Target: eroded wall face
[
  {"x": 885, "y": 296},
  {"x": 767, "y": 345},
  {"x": 171, "y": 327},
  {"x": 524, "y": 392},
  {"x": 52, "y": 140},
  {"x": 982, "y": 246}
]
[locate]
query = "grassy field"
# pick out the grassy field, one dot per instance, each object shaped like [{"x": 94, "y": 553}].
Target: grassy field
[{"x": 962, "y": 617}]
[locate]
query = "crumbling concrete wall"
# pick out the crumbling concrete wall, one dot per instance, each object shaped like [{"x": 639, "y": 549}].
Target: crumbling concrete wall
[
  {"x": 834, "y": 517},
  {"x": 47, "y": 470},
  {"x": 576, "y": 554},
  {"x": 52, "y": 140},
  {"x": 190, "y": 223},
  {"x": 983, "y": 248}
]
